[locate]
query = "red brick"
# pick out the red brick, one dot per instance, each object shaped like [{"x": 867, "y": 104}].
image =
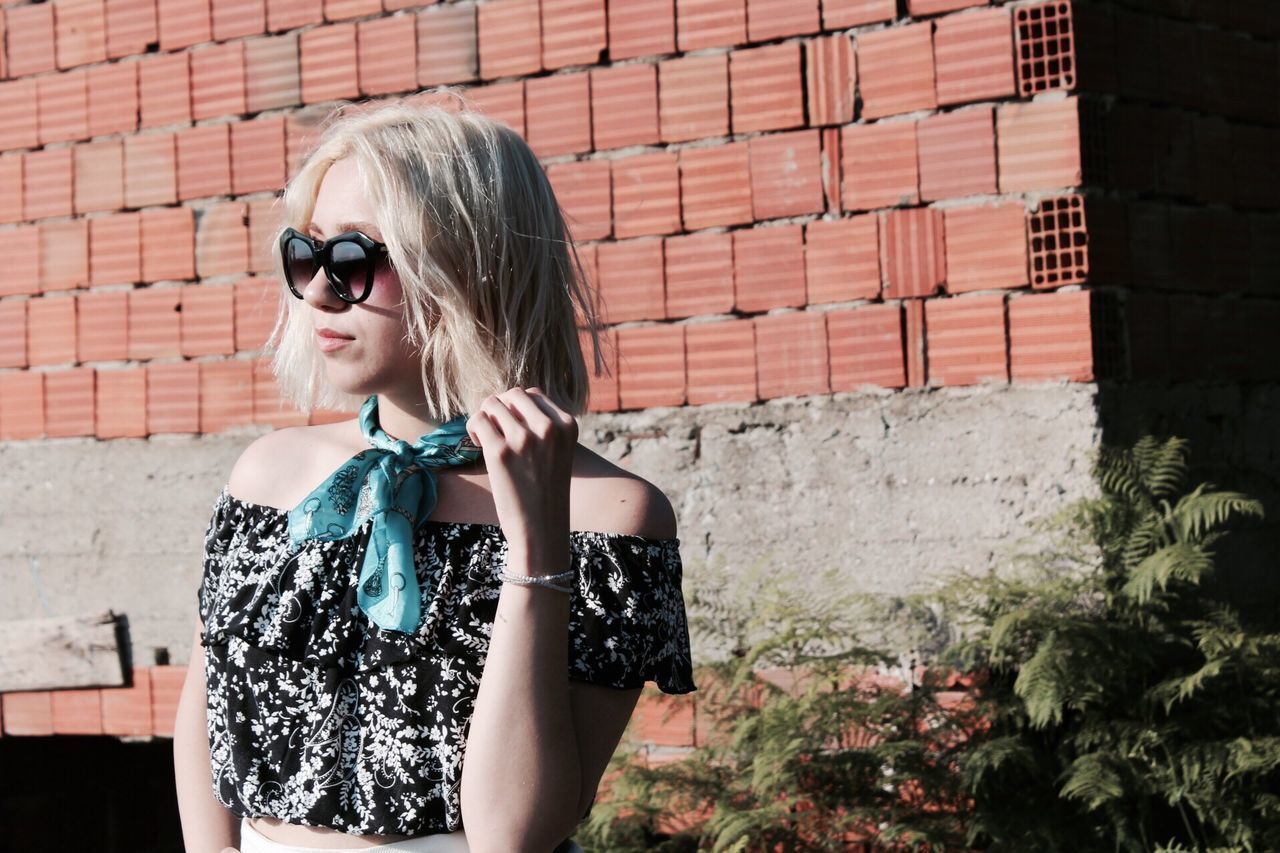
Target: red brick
[
  {"x": 256, "y": 302},
  {"x": 207, "y": 320},
  {"x": 168, "y": 244},
  {"x": 204, "y": 161},
  {"x": 265, "y": 215},
  {"x": 721, "y": 362},
  {"x": 786, "y": 175},
  {"x": 447, "y": 45},
  {"x": 914, "y": 260},
  {"x": 631, "y": 280},
  {"x": 694, "y": 99},
  {"x": 19, "y": 127},
  {"x": 558, "y": 114},
  {"x": 773, "y": 19},
  {"x": 1044, "y": 44},
  {"x": 831, "y": 169},
  {"x": 218, "y": 81},
  {"x": 641, "y": 28},
  {"x": 646, "y": 195},
  {"x": 120, "y": 412},
  {"x": 710, "y": 23},
  {"x": 238, "y": 18},
  {"x": 291, "y": 14},
  {"x": 880, "y": 165},
  {"x": 113, "y": 98},
  {"x": 833, "y": 76},
  {"x": 966, "y": 339},
  {"x": 150, "y": 170},
  {"x": 102, "y": 326},
  {"x": 29, "y": 31},
  {"x": 127, "y": 710},
  {"x": 166, "y": 688},
  {"x": 115, "y": 249},
  {"x": 13, "y": 332},
  {"x": 388, "y": 50},
  {"x": 341, "y": 10},
  {"x": 767, "y": 88},
  {"x": 99, "y": 176},
  {"x": 603, "y": 396},
  {"x": 28, "y": 712},
  {"x": 768, "y": 268},
  {"x": 164, "y": 89},
  {"x": 272, "y": 76},
  {"x": 715, "y": 186},
  {"x": 974, "y": 56},
  {"x": 131, "y": 26},
  {"x": 986, "y": 246},
  {"x": 51, "y": 330},
  {"x": 81, "y": 32},
  {"x": 1039, "y": 145},
  {"x": 866, "y": 347},
  {"x": 63, "y": 112},
  {"x": 573, "y": 32},
  {"x": 501, "y": 101},
  {"x": 510, "y": 35},
  {"x": 663, "y": 720},
  {"x": 895, "y": 70},
  {"x": 23, "y": 275},
  {"x": 21, "y": 410},
  {"x": 791, "y": 355},
  {"x": 48, "y": 188},
  {"x": 226, "y": 395},
  {"x": 699, "y": 274},
  {"x": 839, "y": 14},
  {"x": 222, "y": 241},
  {"x": 154, "y": 325},
  {"x": 68, "y": 404},
  {"x": 582, "y": 189},
  {"x": 842, "y": 259},
  {"x": 173, "y": 396},
  {"x": 11, "y": 178},
  {"x": 651, "y": 369},
  {"x": 64, "y": 254},
  {"x": 328, "y": 63},
  {"x": 624, "y": 106},
  {"x": 918, "y": 8},
  {"x": 1051, "y": 336},
  {"x": 182, "y": 23},
  {"x": 257, "y": 155},
  {"x": 957, "y": 154}
]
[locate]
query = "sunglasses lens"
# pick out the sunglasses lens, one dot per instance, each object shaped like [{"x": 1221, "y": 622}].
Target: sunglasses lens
[
  {"x": 350, "y": 265},
  {"x": 299, "y": 263}
]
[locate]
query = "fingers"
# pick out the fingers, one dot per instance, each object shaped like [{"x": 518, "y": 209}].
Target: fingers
[{"x": 516, "y": 415}]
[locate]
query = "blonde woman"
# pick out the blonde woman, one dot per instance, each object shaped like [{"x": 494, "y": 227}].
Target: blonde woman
[{"x": 424, "y": 628}]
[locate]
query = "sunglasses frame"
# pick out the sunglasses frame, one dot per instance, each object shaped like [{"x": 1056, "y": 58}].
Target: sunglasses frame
[{"x": 321, "y": 252}]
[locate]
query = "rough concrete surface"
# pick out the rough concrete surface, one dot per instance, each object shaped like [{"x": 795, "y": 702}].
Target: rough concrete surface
[{"x": 885, "y": 489}]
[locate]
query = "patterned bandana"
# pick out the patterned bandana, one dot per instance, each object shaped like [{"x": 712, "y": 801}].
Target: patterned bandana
[{"x": 391, "y": 483}]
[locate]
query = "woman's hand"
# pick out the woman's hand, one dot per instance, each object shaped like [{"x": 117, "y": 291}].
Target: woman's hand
[{"x": 529, "y": 443}]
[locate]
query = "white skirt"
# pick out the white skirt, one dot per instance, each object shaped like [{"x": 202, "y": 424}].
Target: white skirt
[{"x": 252, "y": 841}]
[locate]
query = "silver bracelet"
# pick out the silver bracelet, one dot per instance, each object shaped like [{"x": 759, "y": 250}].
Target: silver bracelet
[{"x": 539, "y": 580}]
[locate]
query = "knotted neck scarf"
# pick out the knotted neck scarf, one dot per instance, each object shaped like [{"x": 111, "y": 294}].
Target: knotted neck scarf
[{"x": 392, "y": 483}]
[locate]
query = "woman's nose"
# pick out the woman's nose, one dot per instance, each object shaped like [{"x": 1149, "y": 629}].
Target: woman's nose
[{"x": 318, "y": 291}]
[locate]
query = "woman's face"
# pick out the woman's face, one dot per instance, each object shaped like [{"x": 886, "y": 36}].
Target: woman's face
[{"x": 379, "y": 358}]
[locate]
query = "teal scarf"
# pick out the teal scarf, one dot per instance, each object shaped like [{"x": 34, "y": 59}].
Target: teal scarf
[{"x": 391, "y": 483}]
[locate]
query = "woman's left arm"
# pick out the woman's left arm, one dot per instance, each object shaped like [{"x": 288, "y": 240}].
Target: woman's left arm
[{"x": 522, "y": 773}]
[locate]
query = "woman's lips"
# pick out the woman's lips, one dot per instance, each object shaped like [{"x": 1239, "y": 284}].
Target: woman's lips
[{"x": 329, "y": 344}]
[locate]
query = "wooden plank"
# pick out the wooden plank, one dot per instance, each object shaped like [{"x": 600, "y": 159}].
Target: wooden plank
[{"x": 62, "y": 651}]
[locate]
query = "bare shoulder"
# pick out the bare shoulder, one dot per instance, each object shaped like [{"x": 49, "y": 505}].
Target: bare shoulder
[
  {"x": 610, "y": 498},
  {"x": 276, "y": 469}
]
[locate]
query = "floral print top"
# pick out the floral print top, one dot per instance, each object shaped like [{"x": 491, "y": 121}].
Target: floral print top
[{"x": 316, "y": 716}]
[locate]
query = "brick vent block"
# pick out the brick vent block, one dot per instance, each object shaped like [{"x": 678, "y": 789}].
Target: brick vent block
[
  {"x": 1059, "y": 242},
  {"x": 1045, "y": 45}
]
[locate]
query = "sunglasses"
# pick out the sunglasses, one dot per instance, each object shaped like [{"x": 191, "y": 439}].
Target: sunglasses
[{"x": 349, "y": 261}]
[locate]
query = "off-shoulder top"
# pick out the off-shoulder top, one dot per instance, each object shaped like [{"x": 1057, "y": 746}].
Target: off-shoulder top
[{"x": 316, "y": 716}]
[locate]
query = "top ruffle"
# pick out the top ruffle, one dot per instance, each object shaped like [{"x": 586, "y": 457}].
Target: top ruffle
[{"x": 627, "y": 622}]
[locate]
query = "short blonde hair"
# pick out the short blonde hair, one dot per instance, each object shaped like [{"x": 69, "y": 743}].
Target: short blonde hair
[{"x": 495, "y": 293}]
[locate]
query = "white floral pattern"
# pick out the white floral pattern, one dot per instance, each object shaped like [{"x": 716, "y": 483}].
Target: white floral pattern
[{"x": 317, "y": 716}]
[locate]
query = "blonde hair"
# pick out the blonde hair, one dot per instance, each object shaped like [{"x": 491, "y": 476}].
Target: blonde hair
[{"x": 494, "y": 292}]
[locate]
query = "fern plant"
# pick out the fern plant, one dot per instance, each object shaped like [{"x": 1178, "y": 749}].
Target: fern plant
[{"x": 1127, "y": 709}]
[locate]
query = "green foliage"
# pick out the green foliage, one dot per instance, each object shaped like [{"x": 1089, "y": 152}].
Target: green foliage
[
  {"x": 1129, "y": 711},
  {"x": 798, "y": 765}
]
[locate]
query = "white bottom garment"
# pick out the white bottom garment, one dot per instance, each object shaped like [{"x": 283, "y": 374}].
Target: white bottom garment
[{"x": 252, "y": 841}]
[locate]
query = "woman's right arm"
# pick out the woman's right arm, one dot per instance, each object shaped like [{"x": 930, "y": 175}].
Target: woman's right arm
[{"x": 207, "y": 825}]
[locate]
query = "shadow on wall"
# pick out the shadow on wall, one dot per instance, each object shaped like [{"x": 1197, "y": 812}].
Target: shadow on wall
[
  {"x": 66, "y": 794},
  {"x": 1235, "y": 445}
]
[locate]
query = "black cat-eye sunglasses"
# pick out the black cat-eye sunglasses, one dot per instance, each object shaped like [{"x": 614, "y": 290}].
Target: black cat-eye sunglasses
[{"x": 349, "y": 261}]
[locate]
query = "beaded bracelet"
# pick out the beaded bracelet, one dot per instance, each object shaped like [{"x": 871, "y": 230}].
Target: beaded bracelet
[{"x": 548, "y": 581}]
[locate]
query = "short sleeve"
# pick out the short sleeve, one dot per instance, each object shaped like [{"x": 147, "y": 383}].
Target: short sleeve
[
  {"x": 628, "y": 623},
  {"x": 217, "y": 537}
]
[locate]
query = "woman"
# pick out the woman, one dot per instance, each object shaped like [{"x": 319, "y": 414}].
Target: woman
[{"x": 465, "y": 579}]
